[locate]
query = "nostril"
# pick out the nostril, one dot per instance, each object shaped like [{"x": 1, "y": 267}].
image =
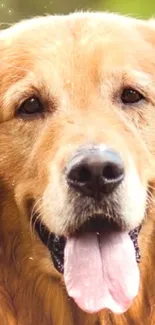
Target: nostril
[
  {"x": 84, "y": 175},
  {"x": 80, "y": 174},
  {"x": 112, "y": 172}
]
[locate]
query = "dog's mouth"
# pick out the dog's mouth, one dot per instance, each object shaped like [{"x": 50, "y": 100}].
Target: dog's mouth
[{"x": 99, "y": 262}]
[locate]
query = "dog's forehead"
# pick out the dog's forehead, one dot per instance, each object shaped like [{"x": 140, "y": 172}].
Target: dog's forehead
[
  {"x": 73, "y": 32},
  {"x": 79, "y": 45},
  {"x": 75, "y": 23}
]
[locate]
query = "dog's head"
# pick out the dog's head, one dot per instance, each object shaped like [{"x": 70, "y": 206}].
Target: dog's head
[{"x": 77, "y": 141}]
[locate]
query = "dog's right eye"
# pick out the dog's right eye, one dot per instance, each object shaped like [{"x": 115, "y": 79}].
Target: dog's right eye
[
  {"x": 131, "y": 96},
  {"x": 31, "y": 106}
]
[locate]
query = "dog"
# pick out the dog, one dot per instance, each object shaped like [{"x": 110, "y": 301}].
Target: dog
[{"x": 77, "y": 151}]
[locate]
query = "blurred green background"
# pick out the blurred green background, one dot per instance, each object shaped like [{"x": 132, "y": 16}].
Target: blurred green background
[{"x": 13, "y": 10}]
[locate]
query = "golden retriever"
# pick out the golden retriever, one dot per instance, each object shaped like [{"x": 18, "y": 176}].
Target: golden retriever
[{"x": 77, "y": 170}]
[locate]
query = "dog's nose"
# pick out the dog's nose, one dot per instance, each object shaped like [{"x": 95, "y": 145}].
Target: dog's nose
[{"x": 95, "y": 171}]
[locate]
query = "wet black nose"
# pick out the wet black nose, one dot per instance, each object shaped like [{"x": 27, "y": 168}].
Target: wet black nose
[{"x": 95, "y": 170}]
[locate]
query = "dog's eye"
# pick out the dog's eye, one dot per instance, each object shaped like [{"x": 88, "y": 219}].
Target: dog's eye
[
  {"x": 31, "y": 106},
  {"x": 131, "y": 96}
]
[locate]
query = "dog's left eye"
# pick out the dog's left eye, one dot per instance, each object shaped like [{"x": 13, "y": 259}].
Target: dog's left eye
[
  {"x": 131, "y": 96},
  {"x": 31, "y": 106}
]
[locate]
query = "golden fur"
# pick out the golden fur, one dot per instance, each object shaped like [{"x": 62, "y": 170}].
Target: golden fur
[{"x": 77, "y": 65}]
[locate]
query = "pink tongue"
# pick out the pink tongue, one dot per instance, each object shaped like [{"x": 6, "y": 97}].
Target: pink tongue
[{"x": 101, "y": 271}]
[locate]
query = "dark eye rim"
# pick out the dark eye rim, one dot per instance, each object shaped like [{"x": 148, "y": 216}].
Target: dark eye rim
[
  {"x": 22, "y": 112},
  {"x": 138, "y": 93}
]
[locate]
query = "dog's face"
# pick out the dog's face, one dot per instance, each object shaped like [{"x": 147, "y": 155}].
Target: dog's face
[{"x": 77, "y": 120}]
